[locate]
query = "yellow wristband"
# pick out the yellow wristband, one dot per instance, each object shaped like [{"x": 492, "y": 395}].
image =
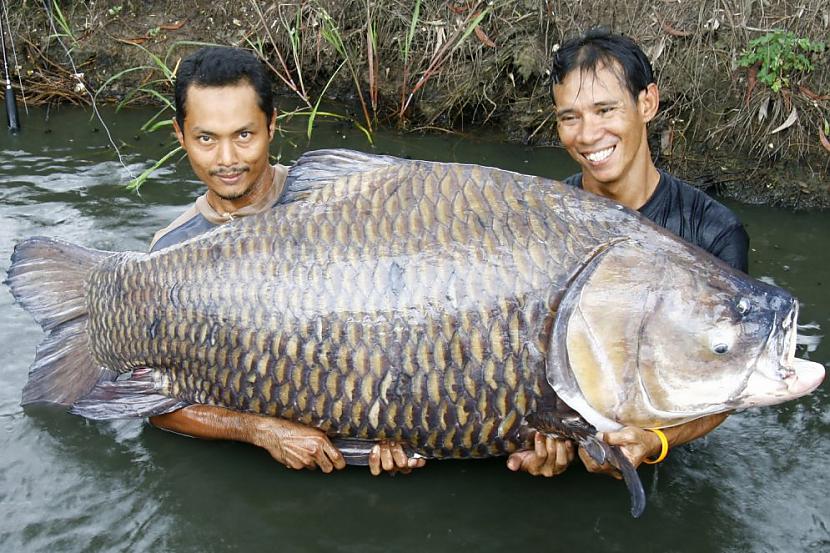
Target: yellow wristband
[{"x": 664, "y": 447}]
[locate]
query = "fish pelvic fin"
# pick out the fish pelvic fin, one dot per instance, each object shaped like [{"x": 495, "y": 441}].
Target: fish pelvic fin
[{"x": 47, "y": 277}]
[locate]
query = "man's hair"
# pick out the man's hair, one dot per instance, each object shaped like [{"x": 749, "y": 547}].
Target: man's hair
[
  {"x": 223, "y": 66},
  {"x": 599, "y": 47}
]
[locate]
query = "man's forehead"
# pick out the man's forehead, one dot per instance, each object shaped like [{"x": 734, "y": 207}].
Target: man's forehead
[
  {"x": 209, "y": 106},
  {"x": 601, "y": 83},
  {"x": 242, "y": 90}
]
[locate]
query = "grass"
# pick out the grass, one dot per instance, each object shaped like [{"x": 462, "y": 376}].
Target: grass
[{"x": 438, "y": 64}]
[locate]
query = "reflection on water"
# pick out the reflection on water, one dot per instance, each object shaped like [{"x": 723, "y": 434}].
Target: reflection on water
[{"x": 756, "y": 484}]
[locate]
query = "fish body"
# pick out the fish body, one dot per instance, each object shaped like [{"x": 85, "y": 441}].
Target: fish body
[{"x": 444, "y": 306}]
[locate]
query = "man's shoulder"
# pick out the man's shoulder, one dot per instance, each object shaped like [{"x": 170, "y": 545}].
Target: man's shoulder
[
  {"x": 704, "y": 206},
  {"x": 186, "y": 225}
]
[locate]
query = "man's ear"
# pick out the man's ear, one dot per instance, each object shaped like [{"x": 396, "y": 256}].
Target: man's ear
[
  {"x": 179, "y": 133},
  {"x": 648, "y": 102}
]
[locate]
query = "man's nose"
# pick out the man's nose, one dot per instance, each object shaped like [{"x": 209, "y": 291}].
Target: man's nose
[
  {"x": 227, "y": 153},
  {"x": 590, "y": 130}
]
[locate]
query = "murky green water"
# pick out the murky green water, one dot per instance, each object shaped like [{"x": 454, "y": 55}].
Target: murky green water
[{"x": 758, "y": 483}]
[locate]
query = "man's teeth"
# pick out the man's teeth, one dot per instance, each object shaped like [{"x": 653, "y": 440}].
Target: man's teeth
[{"x": 600, "y": 155}]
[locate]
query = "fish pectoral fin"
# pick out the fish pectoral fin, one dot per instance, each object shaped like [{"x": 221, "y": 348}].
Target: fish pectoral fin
[
  {"x": 133, "y": 397},
  {"x": 631, "y": 478},
  {"x": 356, "y": 450},
  {"x": 596, "y": 449}
]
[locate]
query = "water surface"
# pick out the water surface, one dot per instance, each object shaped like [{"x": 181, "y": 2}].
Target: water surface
[{"x": 758, "y": 483}]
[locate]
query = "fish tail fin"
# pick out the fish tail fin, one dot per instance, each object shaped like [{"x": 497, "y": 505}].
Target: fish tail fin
[{"x": 47, "y": 277}]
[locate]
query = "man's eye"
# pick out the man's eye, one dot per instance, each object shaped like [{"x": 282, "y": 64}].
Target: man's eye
[
  {"x": 245, "y": 135},
  {"x": 204, "y": 138}
]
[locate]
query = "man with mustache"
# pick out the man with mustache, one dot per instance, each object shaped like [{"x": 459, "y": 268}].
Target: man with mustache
[
  {"x": 225, "y": 121},
  {"x": 605, "y": 95}
]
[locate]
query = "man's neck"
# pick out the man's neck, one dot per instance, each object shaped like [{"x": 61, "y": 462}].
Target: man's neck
[
  {"x": 258, "y": 191},
  {"x": 633, "y": 190}
]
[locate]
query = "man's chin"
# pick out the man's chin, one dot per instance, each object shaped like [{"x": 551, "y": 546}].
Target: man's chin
[{"x": 237, "y": 192}]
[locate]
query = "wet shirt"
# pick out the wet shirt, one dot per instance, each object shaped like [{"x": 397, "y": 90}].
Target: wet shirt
[
  {"x": 201, "y": 217},
  {"x": 696, "y": 217}
]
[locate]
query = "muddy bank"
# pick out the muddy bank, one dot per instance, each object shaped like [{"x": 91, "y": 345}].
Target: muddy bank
[{"x": 458, "y": 65}]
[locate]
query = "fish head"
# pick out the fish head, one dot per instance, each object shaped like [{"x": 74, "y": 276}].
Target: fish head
[{"x": 659, "y": 340}]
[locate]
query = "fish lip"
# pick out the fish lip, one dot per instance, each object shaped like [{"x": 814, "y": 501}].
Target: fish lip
[{"x": 791, "y": 379}]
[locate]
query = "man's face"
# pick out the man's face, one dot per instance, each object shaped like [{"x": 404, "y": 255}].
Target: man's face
[
  {"x": 600, "y": 124},
  {"x": 226, "y": 137}
]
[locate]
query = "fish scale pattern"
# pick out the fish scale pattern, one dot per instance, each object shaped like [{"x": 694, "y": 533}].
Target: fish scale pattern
[{"x": 413, "y": 301}]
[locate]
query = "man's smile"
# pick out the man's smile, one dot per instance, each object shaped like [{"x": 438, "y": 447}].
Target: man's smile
[{"x": 599, "y": 155}]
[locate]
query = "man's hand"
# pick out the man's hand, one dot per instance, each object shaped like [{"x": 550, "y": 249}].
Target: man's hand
[
  {"x": 638, "y": 444},
  {"x": 297, "y": 446},
  {"x": 635, "y": 443},
  {"x": 391, "y": 457},
  {"x": 550, "y": 456}
]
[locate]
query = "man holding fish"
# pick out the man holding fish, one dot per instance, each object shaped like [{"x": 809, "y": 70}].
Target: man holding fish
[{"x": 605, "y": 95}]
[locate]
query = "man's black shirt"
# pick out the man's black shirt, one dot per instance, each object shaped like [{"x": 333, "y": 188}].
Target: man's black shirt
[{"x": 694, "y": 216}]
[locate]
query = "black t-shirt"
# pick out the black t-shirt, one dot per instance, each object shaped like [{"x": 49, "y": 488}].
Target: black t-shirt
[{"x": 694, "y": 216}]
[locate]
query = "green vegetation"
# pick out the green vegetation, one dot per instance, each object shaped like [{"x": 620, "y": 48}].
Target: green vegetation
[{"x": 781, "y": 56}]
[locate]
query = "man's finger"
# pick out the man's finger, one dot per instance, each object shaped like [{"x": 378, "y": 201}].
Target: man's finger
[
  {"x": 334, "y": 455},
  {"x": 386, "y": 457},
  {"x": 374, "y": 460},
  {"x": 517, "y": 459},
  {"x": 323, "y": 462},
  {"x": 563, "y": 454},
  {"x": 540, "y": 446},
  {"x": 399, "y": 456}
]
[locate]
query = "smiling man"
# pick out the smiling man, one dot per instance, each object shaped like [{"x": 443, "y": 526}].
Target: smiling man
[
  {"x": 605, "y": 95},
  {"x": 225, "y": 121}
]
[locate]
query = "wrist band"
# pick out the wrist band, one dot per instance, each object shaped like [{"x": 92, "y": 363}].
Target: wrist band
[{"x": 664, "y": 447}]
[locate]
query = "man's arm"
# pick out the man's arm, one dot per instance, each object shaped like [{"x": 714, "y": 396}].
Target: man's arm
[
  {"x": 292, "y": 444},
  {"x": 638, "y": 444}
]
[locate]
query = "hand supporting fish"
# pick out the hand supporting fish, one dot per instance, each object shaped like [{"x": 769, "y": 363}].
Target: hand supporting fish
[{"x": 576, "y": 428}]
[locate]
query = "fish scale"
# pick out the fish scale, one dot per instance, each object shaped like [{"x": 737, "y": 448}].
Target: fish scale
[{"x": 394, "y": 218}]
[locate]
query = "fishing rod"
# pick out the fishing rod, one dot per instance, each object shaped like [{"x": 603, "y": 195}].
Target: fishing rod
[
  {"x": 14, "y": 55},
  {"x": 11, "y": 101}
]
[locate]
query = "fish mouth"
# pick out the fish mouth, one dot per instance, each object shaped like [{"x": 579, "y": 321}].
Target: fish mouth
[{"x": 784, "y": 376}]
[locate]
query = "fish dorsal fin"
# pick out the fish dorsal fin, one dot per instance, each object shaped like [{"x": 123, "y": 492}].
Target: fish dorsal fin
[{"x": 318, "y": 168}]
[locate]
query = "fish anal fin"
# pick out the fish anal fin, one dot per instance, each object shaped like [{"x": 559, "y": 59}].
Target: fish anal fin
[{"x": 133, "y": 397}]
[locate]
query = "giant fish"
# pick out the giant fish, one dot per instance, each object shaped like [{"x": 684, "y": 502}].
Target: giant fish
[{"x": 453, "y": 308}]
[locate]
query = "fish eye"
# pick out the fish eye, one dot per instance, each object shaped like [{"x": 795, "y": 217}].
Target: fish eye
[
  {"x": 720, "y": 349},
  {"x": 743, "y": 306}
]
